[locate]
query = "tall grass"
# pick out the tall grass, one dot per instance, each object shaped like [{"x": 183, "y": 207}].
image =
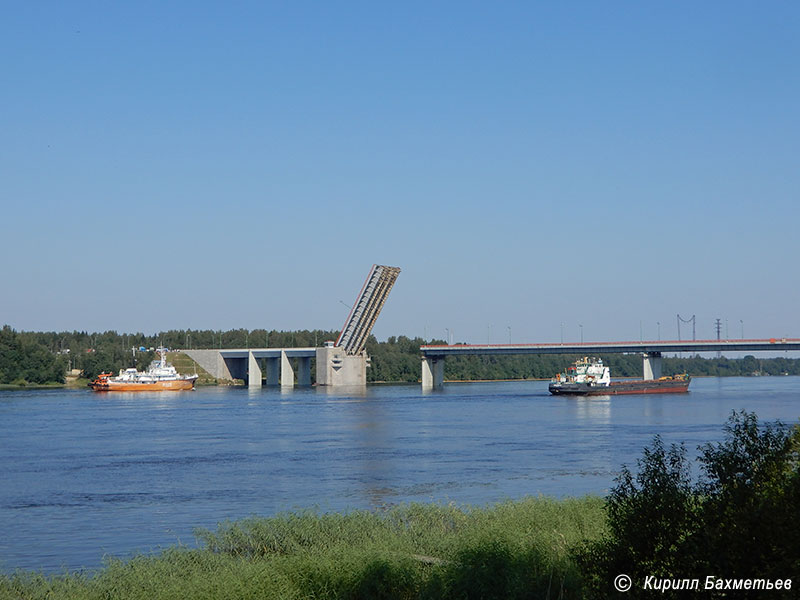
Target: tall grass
[{"x": 515, "y": 549}]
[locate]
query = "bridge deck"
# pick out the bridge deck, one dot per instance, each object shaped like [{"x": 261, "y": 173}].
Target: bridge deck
[
  {"x": 268, "y": 352},
  {"x": 772, "y": 344}
]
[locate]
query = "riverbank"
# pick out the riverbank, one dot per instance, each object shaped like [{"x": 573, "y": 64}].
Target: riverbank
[
  {"x": 32, "y": 386},
  {"x": 512, "y": 549},
  {"x": 71, "y": 383}
]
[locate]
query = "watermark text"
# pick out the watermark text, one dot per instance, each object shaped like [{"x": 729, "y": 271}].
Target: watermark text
[{"x": 623, "y": 583}]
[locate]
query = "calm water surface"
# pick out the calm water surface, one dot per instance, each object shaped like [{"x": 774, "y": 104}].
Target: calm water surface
[{"x": 85, "y": 474}]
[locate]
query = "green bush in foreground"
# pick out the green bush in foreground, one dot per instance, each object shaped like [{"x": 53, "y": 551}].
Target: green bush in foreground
[
  {"x": 739, "y": 521},
  {"x": 519, "y": 549}
]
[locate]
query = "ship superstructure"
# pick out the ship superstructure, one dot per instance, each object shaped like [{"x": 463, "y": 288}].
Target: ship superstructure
[
  {"x": 160, "y": 376},
  {"x": 589, "y": 377}
]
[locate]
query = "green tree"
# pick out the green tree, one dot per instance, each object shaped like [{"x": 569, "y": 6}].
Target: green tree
[
  {"x": 24, "y": 360},
  {"x": 738, "y": 521},
  {"x": 650, "y": 516},
  {"x": 751, "y": 493}
]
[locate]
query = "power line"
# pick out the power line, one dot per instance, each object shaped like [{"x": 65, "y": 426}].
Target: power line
[{"x": 693, "y": 321}]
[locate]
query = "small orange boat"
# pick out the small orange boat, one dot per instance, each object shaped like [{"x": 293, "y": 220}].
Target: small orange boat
[{"x": 161, "y": 376}]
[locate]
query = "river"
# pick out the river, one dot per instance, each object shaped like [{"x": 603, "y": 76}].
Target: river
[{"x": 83, "y": 475}]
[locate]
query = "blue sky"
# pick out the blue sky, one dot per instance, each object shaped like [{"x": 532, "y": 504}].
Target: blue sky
[{"x": 219, "y": 165}]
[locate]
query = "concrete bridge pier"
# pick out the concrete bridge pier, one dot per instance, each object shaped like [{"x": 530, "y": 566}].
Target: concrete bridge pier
[
  {"x": 253, "y": 371},
  {"x": 304, "y": 371},
  {"x": 432, "y": 372},
  {"x": 287, "y": 371},
  {"x": 273, "y": 371},
  {"x": 337, "y": 368},
  {"x": 652, "y": 365}
]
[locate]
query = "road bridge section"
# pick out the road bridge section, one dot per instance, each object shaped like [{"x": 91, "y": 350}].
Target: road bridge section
[
  {"x": 433, "y": 357},
  {"x": 277, "y": 365}
]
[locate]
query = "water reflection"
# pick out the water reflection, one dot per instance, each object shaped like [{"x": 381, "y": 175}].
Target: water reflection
[
  {"x": 343, "y": 392},
  {"x": 159, "y": 400},
  {"x": 653, "y": 407},
  {"x": 590, "y": 408},
  {"x": 376, "y": 454}
]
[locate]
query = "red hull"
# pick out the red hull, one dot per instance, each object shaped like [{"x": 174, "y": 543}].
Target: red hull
[
  {"x": 156, "y": 386},
  {"x": 105, "y": 383},
  {"x": 618, "y": 388},
  {"x": 645, "y": 387}
]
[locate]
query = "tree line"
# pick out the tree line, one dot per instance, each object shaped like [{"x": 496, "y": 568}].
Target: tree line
[
  {"x": 23, "y": 360},
  {"x": 39, "y": 357},
  {"x": 44, "y": 357}
]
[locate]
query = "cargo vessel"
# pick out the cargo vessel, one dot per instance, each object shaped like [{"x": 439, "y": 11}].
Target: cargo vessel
[
  {"x": 160, "y": 376},
  {"x": 589, "y": 377}
]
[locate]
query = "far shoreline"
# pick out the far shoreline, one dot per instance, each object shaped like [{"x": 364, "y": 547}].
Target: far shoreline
[{"x": 82, "y": 383}]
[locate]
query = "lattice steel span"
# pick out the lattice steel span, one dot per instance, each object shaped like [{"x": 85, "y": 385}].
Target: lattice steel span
[
  {"x": 365, "y": 311},
  {"x": 344, "y": 363}
]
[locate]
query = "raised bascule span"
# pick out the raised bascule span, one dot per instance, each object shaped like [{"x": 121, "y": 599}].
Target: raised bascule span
[
  {"x": 365, "y": 311},
  {"x": 344, "y": 363}
]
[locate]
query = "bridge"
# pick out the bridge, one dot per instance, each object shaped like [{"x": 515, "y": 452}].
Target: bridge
[
  {"x": 344, "y": 362},
  {"x": 340, "y": 363},
  {"x": 433, "y": 357},
  {"x": 250, "y": 364}
]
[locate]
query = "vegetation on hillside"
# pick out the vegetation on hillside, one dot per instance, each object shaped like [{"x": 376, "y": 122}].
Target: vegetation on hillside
[{"x": 39, "y": 357}]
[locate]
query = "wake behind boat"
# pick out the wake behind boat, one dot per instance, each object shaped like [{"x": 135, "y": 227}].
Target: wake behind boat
[
  {"x": 160, "y": 376},
  {"x": 589, "y": 377}
]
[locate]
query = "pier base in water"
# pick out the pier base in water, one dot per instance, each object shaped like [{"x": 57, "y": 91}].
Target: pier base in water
[
  {"x": 651, "y": 365},
  {"x": 432, "y": 372},
  {"x": 337, "y": 368}
]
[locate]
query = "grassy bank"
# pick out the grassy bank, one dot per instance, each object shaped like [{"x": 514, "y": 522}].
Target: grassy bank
[
  {"x": 519, "y": 549},
  {"x": 24, "y": 385},
  {"x": 186, "y": 366},
  {"x": 72, "y": 382}
]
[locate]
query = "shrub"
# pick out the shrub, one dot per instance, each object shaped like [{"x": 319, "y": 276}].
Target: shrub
[
  {"x": 736, "y": 522},
  {"x": 752, "y": 500}
]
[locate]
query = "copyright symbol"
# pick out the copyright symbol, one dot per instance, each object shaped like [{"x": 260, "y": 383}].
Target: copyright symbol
[{"x": 622, "y": 583}]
